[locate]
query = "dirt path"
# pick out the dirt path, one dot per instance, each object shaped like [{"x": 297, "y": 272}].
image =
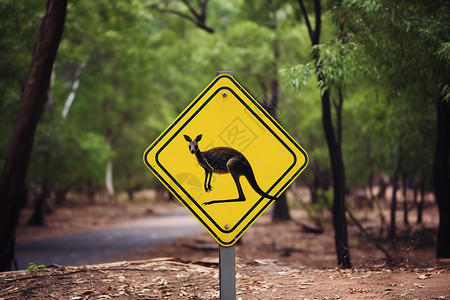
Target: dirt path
[{"x": 108, "y": 244}]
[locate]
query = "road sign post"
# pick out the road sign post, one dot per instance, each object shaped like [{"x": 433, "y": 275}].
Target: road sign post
[
  {"x": 223, "y": 135},
  {"x": 227, "y": 273},
  {"x": 227, "y": 261}
]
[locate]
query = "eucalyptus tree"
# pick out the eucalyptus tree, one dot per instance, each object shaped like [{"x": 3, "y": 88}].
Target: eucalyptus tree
[
  {"x": 34, "y": 96},
  {"x": 408, "y": 47},
  {"x": 327, "y": 64},
  {"x": 106, "y": 50},
  {"x": 19, "y": 21}
]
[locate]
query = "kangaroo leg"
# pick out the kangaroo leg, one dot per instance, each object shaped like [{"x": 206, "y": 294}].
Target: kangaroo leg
[
  {"x": 234, "y": 168},
  {"x": 205, "y": 185},
  {"x": 208, "y": 186},
  {"x": 239, "y": 188}
]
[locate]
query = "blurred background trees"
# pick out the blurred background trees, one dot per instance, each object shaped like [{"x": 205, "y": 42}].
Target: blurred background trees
[{"x": 126, "y": 69}]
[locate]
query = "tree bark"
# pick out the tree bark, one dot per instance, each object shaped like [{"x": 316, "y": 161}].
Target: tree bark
[
  {"x": 442, "y": 178},
  {"x": 34, "y": 96}
]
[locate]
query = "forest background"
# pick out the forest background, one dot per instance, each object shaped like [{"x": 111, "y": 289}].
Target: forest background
[{"x": 362, "y": 85}]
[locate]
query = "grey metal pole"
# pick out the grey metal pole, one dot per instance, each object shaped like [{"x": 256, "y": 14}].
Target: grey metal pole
[
  {"x": 224, "y": 72},
  {"x": 227, "y": 268},
  {"x": 227, "y": 273}
]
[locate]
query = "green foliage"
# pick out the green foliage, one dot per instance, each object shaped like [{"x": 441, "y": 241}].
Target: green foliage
[
  {"x": 66, "y": 158},
  {"x": 410, "y": 39},
  {"x": 19, "y": 23},
  {"x": 404, "y": 46},
  {"x": 33, "y": 269},
  {"x": 325, "y": 202},
  {"x": 138, "y": 69},
  {"x": 391, "y": 59}
]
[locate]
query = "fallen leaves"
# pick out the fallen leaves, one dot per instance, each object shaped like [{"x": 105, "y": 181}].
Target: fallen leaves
[
  {"x": 261, "y": 279},
  {"x": 424, "y": 276}
]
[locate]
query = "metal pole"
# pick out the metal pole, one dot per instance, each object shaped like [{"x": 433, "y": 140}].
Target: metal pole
[
  {"x": 227, "y": 273},
  {"x": 224, "y": 72}
]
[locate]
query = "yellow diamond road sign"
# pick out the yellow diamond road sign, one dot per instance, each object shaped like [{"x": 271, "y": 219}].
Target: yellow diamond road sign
[{"x": 225, "y": 159}]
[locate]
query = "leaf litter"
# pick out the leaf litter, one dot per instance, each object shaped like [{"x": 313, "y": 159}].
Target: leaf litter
[{"x": 170, "y": 278}]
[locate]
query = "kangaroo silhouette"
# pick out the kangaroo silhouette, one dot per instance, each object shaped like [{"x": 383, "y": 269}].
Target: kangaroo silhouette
[{"x": 223, "y": 160}]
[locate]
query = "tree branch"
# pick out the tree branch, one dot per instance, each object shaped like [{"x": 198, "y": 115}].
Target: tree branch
[
  {"x": 175, "y": 12},
  {"x": 318, "y": 16},
  {"x": 197, "y": 18},
  {"x": 367, "y": 235},
  {"x": 192, "y": 10},
  {"x": 305, "y": 15},
  {"x": 401, "y": 14}
]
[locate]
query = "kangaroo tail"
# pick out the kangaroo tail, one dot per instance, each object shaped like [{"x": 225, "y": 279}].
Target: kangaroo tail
[{"x": 252, "y": 180}]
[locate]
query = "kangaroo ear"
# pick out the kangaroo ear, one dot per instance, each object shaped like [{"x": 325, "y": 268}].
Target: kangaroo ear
[
  {"x": 198, "y": 138},
  {"x": 187, "y": 138}
]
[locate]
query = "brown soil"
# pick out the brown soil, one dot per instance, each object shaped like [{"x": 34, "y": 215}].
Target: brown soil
[
  {"x": 261, "y": 279},
  {"x": 274, "y": 261}
]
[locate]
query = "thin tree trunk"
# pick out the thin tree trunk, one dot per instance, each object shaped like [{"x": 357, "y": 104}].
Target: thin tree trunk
[
  {"x": 375, "y": 202},
  {"x": 109, "y": 178},
  {"x": 421, "y": 203},
  {"x": 337, "y": 169},
  {"x": 75, "y": 85},
  {"x": 34, "y": 96},
  {"x": 281, "y": 209},
  {"x": 393, "y": 226},
  {"x": 37, "y": 219},
  {"x": 442, "y": 178},
  {"x": 337, "y": 163},
  {"x": 382, "y": 218},
  {"x": 60, "y": 195},
  {"x": 405, "y": 200}
]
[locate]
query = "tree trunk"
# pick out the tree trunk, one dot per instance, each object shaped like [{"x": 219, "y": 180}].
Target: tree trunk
[
  {"x": 405, "y": 200},
  {"x": 281, "y": 209},
  {"x": 37, "y": 219},
  {"x": 442, "y": 178},
  {"x": 421, "y": 203},
  {"x": 338, "y": 172},
  {"x": 382, "y": 218},
  {"x": 34, "y": 96},
  {"x": 109, "y": 178},
  {"x": 337, "y": 163},
  {"x": 75, "y": 85},
  {"x": 393, "y": 226},
  {"x": 60, "y": 195}
]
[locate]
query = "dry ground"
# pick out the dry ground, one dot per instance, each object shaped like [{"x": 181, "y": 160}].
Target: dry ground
[
  {"x": 274, "y": 261},
  {"x": 261, "y": 279}
]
